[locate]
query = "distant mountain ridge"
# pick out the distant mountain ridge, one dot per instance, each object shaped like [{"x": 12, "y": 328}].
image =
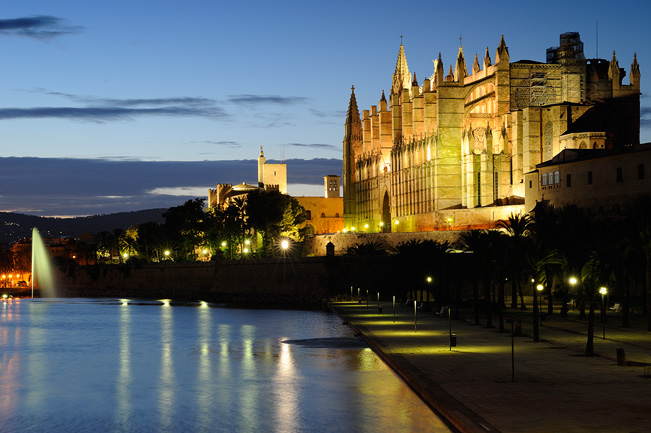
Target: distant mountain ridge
[{"x": 15, "y": 226}]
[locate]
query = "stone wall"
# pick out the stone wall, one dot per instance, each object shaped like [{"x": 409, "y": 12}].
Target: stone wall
[
  {"x": 316, "y": 245},
  {"x": 293, "y": 281}
]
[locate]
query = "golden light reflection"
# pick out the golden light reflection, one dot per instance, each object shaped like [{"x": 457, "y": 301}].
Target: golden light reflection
[
  {"x": 166, "y": 390},
  {"x": 249, "y": 392},
  {"x": 204, "y": 382},
  {"x": 224, "y": 332},
  {"x": 368, "y": 360},
  {"x": 286, "y": 391},
  {"x": 123, "y": 383}
]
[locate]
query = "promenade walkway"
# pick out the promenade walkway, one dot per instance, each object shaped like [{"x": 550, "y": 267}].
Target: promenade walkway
[{"x": 556, "y": 387}]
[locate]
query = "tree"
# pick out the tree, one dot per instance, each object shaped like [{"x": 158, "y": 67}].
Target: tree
[
  {"x": 476, "y": 242},
  {"x": 518, "y": 228},
  {"x": 184, "y": 226},
  {"x": 273, "y": 214}
]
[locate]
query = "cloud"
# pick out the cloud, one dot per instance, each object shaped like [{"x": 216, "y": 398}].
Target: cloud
[
  {"x": 99, "y": 109},
  {"x": 181, "y": 191},
  {"x": 315, "y": 146},
  {"x": 645, "y": 116},
  {"x": 63, "y": 186},
  {"x": 338, "y": 114},
  {"x": 221, "y": 143},
  {"x": 106, "y": 113},
  {"x": 266, "y": 99},
  {"x": 37, "y": 27}
]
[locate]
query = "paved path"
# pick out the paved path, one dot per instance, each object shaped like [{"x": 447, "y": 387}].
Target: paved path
[{"x": 556, "y": 388}]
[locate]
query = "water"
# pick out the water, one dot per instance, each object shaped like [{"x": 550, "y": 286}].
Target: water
[
  {"x": 41, "y": 266},
  {"x": 95, "y": 365}
]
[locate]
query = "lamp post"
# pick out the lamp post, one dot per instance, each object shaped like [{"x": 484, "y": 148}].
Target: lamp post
[
  {"x": 394, "y": 308},
  {"x": 573, "y": 284},
  {"x": 604, "y": 292},
  {"x": 540, "y": 288},
  {"x": 536, "y": 331},
  {"x": 284, "y": 244},
  {"x": 379, "y": 309},
  {"x": 429, "y": 284}
]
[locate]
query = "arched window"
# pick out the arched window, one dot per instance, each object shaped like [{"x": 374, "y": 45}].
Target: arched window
[
  {"x": 308, "y": 215},
  {"x": 544, "y": 179},
  {"x": 557, "y": 177},
  {"x": 322, "y": 215},
  {"x": 337, "y": 215}
]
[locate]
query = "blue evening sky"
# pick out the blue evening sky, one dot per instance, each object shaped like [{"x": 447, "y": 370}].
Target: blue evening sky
[{"x": 115, "y": 84}]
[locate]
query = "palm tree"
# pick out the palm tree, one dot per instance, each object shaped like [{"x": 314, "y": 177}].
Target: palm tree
[
  {"x": 543, "y": 260},
  {"x": 596, "y": 272},
  {"x": 118, "y": 239},
  {"x": 481, "y": 244},
  {"x": 518, "y": 228}
]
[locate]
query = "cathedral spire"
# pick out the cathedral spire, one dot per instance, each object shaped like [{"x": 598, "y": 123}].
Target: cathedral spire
[
  {"x": 635, "y": 71},
  {"x": 437, "y": 76},
  {"x": 614, "y": 72},
  {"x": 460, "y": 71},
  {"x": 352, "y": 117},
  {"x": 401, "y": 76},
  {"x": 487, "y": 59},
  {"x": 502, "y": 52},
  {"x": 475, "y": 65}
]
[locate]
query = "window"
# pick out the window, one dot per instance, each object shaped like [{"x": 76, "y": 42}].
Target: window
[
  {"x": 620, "y": 175},
  {"x": 322, "y": 215},
  {"x": 337, "y": 215},
  {"x": 544, "y": 179},
  {"x": 640, "y": 171},
  {"x": 530, "y": 184},
  {"x": 557, "y": 177},
  {"x": 568, "y": 180},
  {"x": 589, "y": 178},
  {"x": 308, "y": 215}
]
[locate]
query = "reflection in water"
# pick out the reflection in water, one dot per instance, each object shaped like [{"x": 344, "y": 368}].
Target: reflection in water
[
  {"x": 204, "y": 383},
  {"x": 248, "y": 389},
  {"x": 123, "y": 385},
  {"x": 166, "y": 384},
  {"x": 288, "y": 394},
  {"x": 96, "y": 366},
  {"x": 9, "y": 360}
]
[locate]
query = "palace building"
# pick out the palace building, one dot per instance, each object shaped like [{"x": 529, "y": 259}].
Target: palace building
[
  {"x": 323, "y": 214},
  {"x": 453, "y": 152}
]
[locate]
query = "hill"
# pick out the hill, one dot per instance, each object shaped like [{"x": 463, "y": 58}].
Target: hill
[{"x": 15, "y": 226}]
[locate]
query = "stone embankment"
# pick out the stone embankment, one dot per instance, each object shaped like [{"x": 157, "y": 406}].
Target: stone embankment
[
  {"x": 291, "y": 281},
  {"x": 482, "y": 386}
]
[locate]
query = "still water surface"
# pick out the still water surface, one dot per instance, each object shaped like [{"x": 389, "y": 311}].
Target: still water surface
[{"x": 79, "y": 365}]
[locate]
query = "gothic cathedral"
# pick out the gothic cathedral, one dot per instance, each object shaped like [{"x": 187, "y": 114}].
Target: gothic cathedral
[{"x": 452, "y": 153}]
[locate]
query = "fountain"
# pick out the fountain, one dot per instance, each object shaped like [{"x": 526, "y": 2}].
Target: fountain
[{"x": 41, "y": 267}]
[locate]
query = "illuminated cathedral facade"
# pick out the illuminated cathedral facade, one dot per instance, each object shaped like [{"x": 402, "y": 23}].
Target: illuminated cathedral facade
[{"x": 453, "y": 152}]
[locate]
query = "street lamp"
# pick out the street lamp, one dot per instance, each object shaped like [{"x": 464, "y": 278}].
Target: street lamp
[
  {"x": 604, "y": 292},
  {"x": 573, "y": 282},
  {"x": 536, "y": 331},
  {"x": 540, "y": 288},
  {"x": 429, "y": 283}
]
